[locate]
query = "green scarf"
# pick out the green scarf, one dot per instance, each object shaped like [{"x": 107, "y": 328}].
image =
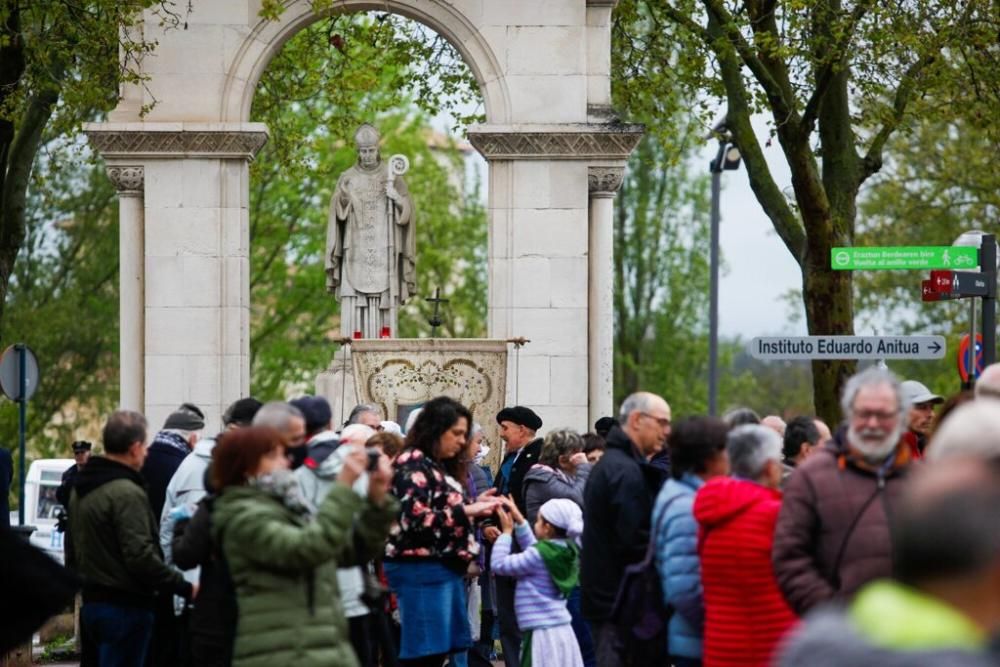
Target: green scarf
[{"x": 562, "y": 562}]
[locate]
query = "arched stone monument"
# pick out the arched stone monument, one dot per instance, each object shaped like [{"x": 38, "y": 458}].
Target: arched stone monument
[{"x": 555, "y": 160}]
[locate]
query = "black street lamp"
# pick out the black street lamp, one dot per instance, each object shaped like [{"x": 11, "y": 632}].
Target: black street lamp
[{"x": 728, "y": 158}]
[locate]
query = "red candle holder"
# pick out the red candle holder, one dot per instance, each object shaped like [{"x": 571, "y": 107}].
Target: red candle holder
[
  {"x": 357, "y": 335},
  {"x": 386, "y": 333}
]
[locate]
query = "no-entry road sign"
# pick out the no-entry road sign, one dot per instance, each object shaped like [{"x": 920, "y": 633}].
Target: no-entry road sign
[
  {"x": 847, "y": 347},
  {"x": 903, "y": 257}
]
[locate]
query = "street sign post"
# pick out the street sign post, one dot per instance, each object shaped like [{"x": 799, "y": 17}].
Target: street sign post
[
  {"x": 929, "y": 293},
  {"x": 958, "y": 284},
  {"x": 772, "y": 348},
  {"x": 19, "y": 381},
  {"x": 880, "y": 258},
  {"x": 970, "y": 358},
  {"x": 958, "y": 281}
]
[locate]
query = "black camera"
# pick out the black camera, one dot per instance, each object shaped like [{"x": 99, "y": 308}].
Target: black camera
[{"x": 374, "y": 454}]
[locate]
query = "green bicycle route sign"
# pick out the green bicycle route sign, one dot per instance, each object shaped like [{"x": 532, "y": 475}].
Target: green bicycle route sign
[{"x": 903, "y": 257}]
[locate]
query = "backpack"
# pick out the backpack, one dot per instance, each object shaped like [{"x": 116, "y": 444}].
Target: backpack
[{"x": 639, "y": 611}]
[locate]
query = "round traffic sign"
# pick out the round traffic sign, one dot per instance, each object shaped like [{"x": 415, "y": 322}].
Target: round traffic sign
[
  {"x": 963, "y": 358},
  {"x": 10, "y": 373}
]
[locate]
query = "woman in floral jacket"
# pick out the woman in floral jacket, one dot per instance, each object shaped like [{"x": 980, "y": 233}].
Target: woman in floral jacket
[{"x": 429, "y": 551}]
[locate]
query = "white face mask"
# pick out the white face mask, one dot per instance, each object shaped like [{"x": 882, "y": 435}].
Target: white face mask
[{"x": 481, "y": 456}]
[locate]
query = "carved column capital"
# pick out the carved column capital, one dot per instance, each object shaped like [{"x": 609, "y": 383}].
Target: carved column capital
[
  {"x": 604, "y": 181},
  {"x": 129, "y": 181}
]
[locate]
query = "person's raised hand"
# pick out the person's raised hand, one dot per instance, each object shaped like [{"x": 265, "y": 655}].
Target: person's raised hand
[
  {"x": 515, "y": 513},
  {"x": 488, "y": 493},
  {"x": 379, "y": 480},
  {"x": 506, "y": 523},
  {"x": 491, "y": 533},
  {"x": 578, "y": 459},
  {"x": 354, "y": 465},
  {"x": 481, "y": 508}
]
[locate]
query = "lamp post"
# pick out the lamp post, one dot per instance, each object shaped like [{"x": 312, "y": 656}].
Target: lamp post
[{"x": 728, "y": 158}]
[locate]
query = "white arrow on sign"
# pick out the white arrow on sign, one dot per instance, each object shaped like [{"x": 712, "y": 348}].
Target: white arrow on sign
[{"x": 847, "y": 347}]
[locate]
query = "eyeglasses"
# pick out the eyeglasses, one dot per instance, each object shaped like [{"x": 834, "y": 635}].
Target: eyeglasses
[
  {"x": 865, "y": 415},
  {"x": 664, "y": 422}
]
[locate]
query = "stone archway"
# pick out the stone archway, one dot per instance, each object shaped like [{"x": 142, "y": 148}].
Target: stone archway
[{"x": 555, "y": 161}]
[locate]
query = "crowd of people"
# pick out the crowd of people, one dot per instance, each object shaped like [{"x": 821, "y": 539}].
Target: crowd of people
[{"x": 283, "y": 540}]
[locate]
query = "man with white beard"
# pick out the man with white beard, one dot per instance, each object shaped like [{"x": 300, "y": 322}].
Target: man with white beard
[{"x": 832, "y": 535}]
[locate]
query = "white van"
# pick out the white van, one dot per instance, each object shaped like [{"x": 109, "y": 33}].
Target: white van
[{"x": 41, "y": 509}]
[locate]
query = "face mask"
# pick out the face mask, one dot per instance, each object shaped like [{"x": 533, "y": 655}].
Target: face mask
[
  {"x": 296, "y": 456},
  {"x": 481, "y": 456}
]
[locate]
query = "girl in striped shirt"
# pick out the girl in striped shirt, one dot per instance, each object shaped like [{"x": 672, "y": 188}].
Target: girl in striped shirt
[{"x": 547, "y": 570}]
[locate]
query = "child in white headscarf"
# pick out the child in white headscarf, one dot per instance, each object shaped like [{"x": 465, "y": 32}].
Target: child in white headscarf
[{"x": 546, "y": 570}]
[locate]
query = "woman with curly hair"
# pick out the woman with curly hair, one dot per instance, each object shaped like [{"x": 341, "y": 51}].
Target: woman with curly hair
[{"x": 431, "y": 547}]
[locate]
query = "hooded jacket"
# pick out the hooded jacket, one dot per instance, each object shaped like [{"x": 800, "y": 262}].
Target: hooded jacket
[
  {"x": 618, "y": 502},
  {"x": 888, "y": 625},
  {"x": 543, "y": 483},
  {"x": 832, "y": 535},
  {"x": 324, "y": 461},
  {"x": 745, "y": 613},
  {"x": 283, "y": 567},
  {"x": 186, "y": 487},
  {"x": 114, "y": 538},
  {"x": 677, "y": 563}
]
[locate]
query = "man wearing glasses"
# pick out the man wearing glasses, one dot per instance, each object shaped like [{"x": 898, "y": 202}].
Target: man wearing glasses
[
  {"x": 832, "y": 535},
  {"x": 618, "y": 503}
]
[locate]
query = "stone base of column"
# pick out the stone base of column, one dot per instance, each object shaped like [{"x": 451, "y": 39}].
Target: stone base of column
[{"x": 337, "y": 385}]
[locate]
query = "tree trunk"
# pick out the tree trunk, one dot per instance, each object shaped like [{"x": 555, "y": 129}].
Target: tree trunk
[{"x": 829, "y": 311}]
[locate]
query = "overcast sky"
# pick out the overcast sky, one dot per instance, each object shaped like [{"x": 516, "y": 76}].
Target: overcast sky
[{"x": 760, "y": 268}]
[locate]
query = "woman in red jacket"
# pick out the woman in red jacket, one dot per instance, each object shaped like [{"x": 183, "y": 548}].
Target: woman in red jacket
[{"x": 745, "y": 613}]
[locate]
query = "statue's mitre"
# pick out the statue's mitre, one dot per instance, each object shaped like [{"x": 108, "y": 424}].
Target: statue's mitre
[{"x": 366, "y": 136}]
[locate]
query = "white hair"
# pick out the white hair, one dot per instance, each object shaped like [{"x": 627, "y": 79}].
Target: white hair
[
  {"x": 988, "y": 384},
  {"x": 277, "y": 415},
  {"x": 411, "y": 419},
  {"x": 873, "y": 376},
  {"x": 750, "y": 447},
  {"x": 972, "y": 429},
  {"x": 389, "y": 426},
  {"x": 641, "y": 401},
  {"x": 356, "y": 434}
]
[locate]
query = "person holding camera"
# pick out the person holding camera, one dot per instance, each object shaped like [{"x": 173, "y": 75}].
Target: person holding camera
[
  {"x": 282, "y": 552},
  {"x": 326, "y": 453},
  {"x": 431, "y": 548}
]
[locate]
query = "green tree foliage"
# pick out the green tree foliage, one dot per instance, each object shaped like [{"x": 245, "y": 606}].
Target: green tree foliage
[
  {"x": 362, "y": 68},
  {"x": 661, "y": 286},
  {"x": 63, "y": 304},
  {"x": 938, "y": 184},
  {"x": 59, "y": 66},
  {"x": 836, "y": 79}
]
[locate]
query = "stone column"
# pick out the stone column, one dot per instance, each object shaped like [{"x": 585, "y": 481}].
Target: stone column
[
  {"x": 193, "y": 261},
  {"x": 550, "y": 260},
  {"x": 603, "y": 183},
  {"x": 128, "y": 180}
]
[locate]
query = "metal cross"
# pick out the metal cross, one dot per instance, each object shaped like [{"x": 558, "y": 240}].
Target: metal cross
[{"x": 435, "y": 320}]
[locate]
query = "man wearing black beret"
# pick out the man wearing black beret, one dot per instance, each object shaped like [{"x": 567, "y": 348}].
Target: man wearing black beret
[{"x": 518, "y": 426}]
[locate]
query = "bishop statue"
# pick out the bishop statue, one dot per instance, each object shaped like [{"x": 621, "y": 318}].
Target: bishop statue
[{"x": 370, "y": 248}]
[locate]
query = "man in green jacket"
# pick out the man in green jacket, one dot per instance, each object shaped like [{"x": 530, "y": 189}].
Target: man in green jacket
[{"x": 115, "y": 546}]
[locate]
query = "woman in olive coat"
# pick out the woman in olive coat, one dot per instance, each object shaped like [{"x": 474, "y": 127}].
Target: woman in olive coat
[{"x": 283, "y": 554}]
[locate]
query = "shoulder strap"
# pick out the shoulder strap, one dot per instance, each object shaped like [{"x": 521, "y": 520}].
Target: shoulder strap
[{"x": 651, "y": 548}]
